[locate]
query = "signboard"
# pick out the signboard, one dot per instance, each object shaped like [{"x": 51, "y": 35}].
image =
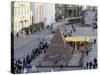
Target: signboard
[{"x": 21, "y": 4}]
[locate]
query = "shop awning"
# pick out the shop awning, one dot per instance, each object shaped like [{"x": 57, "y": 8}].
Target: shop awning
[{"x": 76, "y": 39}]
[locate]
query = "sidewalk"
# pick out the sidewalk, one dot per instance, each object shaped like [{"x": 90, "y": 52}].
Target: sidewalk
[
  {"x": 92, "y": 54},
  {"x": 82, "y": 31},
  {"x": 24, "y": 46}
]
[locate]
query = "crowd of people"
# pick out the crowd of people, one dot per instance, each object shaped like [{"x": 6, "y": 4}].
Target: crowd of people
[{"x": 23, "y": 65}]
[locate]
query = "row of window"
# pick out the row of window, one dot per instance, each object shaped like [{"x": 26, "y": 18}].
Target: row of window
[
  {"x": 40, "y": 13},
  {"x": 21, "y": 11}
]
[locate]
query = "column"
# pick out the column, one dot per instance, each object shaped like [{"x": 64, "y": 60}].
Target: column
[{"x": 76, "y": 13}]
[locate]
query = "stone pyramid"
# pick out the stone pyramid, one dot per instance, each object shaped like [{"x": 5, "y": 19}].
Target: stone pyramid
[{"x": 58, "y": 48}]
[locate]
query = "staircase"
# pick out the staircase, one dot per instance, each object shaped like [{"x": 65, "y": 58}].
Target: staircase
[{"x": 89, "y": 17}]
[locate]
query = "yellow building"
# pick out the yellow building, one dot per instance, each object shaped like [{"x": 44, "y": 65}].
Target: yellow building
[{"x": 21, "y": 15}]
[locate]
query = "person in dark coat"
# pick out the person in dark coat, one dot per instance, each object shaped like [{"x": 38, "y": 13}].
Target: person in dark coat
[
  {"x": 94, "y": 41},
  {"x": 17, "y": 34},
  {"x": 24, "y": 62},
  {"x": 95, "y": 62},
  {"x": 61, "y": 66},
  {"x": 20, "y": 68},
  {"x": 33, "y": 53},
  {"x": 90, "y": 65},
  {"x": 28, "y": 60},
  {"x": 94, "y": 67},
  {"x": 87, "y": 65}
]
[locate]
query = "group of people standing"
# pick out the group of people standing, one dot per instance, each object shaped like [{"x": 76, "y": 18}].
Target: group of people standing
[
  {"x": 73, "y": 28},
  {"x": 23, "y": 65},
  {"x": 91, "y": 65},
  {"x": 67, "y": 34},
  {"x": 94, "y": 26}
]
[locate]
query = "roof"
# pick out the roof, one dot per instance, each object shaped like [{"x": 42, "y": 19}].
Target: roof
[{"x": 77, "y": 38}]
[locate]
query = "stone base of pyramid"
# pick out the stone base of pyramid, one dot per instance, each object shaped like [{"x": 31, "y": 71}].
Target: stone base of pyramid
[
  {"x": 75, "y": 60},
  {"x": 72, "y": 60},
  {"x": 50, "y": 63}
]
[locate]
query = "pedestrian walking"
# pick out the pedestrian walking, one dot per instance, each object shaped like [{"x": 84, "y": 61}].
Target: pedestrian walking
[
  {"x": 72, "y": 27},
  {"x": 90, "y": 65},
  {"x": 94, "y": 41},
  {"x": 19, "y": 68},
  {"x": 87, "y": 65},
  {"x": 95, "y": 62},
  {"x": 65, "y": 33},
  {"x": 61, "y": 66},
  {"x": 17, "y": 34},
  {"x": 94, "y": 66}
]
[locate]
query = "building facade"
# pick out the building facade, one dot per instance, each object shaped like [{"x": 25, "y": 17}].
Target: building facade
[
  {"x": 49, "y": 14},
  {"x": 37, "y": 12},
  {"x": 21, "y": 15},
  {"x": 43, "y": 12},
  {"x": 67, "y": 11}
]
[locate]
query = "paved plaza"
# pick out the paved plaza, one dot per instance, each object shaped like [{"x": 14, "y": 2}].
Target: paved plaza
[{"x": 24, "y": 46}]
